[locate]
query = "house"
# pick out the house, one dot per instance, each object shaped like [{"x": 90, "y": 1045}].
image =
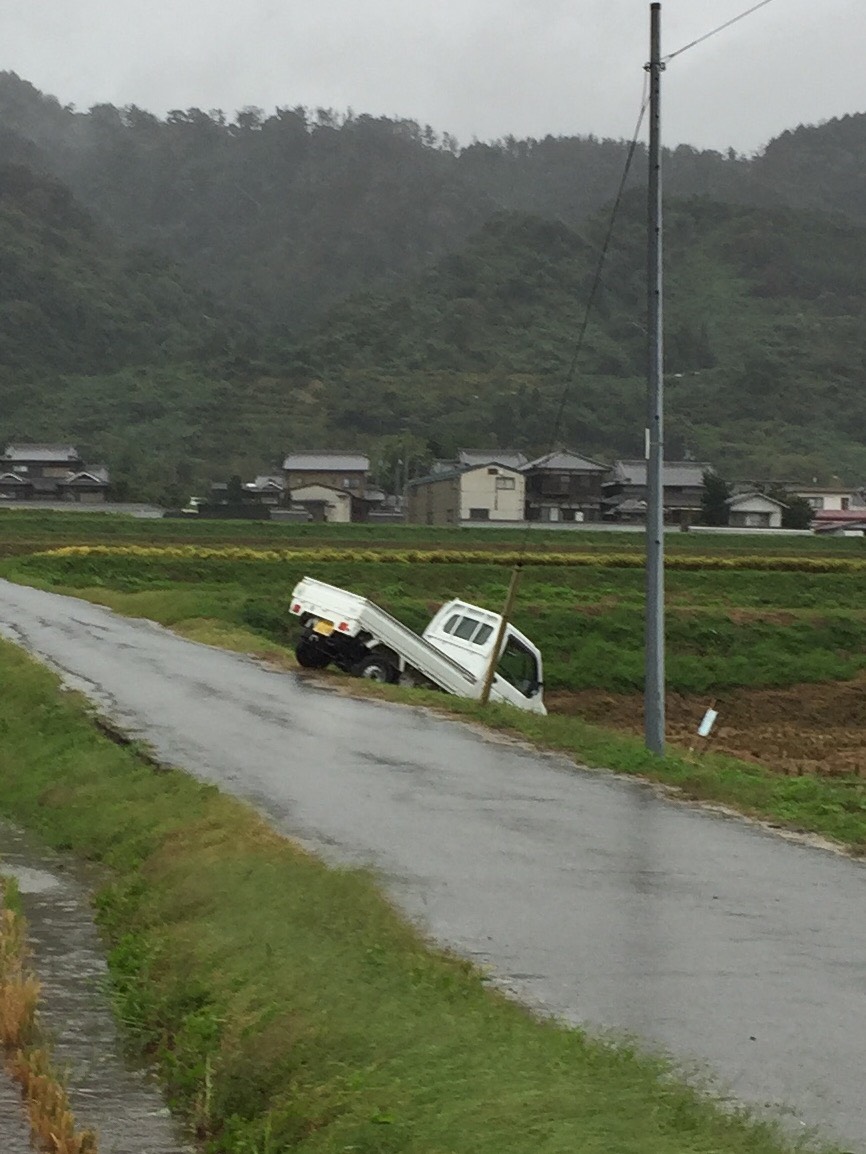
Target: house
[
  {"x": 564, "y": 486},
  {"x": 826, "y": 498},
  {"x": 324, "y": 503},
  {"x": 754, "y": 511},
  {"x": 14, "y": 487},
  {"x": 474, "y": 494},
  {"x": 470, "y": 458},
  {"x": 826, "y": 519},
  {"x": 625, "y": 491},
  {"x": 267, "y": 490},
  {"x": 50, "y": 473},
  {"x": 512, "y": 458},
  {"x": 89, "y": 486},
  {"x": 855, "y": 527},
  {"x": 333, "y": 468}
]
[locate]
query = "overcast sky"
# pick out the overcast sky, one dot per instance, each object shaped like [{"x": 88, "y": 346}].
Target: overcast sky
[{"x": 476, "y": 68}]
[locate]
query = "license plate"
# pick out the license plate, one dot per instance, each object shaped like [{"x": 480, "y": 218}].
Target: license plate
[{"x": 326, "y": 628}]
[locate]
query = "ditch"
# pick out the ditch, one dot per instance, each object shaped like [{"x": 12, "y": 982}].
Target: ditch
[{"x": 120, "y": 1102}]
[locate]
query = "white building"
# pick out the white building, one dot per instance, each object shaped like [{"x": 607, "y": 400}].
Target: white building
[
  {"x": 755, "y": 511},
  {"x": 480, "y": 493},
  {"x": 826, "y": 498},
  {"x": 324, "y": 503}
]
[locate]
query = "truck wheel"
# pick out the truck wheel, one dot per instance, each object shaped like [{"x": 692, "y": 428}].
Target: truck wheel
[
  {"x": 376, "y": 668},
  {"x": 310, "y": 654}
]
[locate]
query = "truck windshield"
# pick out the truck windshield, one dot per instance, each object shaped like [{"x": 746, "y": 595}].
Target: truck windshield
[{"x": 518, "y": 666}]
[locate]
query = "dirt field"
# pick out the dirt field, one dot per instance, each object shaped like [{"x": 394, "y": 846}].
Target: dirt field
[{"x": 803, "y": 729}]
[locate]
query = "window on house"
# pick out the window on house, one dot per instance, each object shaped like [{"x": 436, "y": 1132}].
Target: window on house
[
  {"x": 479, "y": 514},
  {"x": 506, "y": 483},
  {"x": 816, "y": 502},
  {"x": 493, "y": 472},
  {"x": 846, "y": 502}
]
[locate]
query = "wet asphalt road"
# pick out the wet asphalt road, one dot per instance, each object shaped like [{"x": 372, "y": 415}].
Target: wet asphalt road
[{"x": 741, "y": 953}]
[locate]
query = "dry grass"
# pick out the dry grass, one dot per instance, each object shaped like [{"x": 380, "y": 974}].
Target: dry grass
[
  {"x": 19, "y": 990},
  {"x": 52, "y": 1123}
]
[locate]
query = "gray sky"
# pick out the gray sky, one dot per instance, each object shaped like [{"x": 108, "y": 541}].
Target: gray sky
[{"x": 480, "y": 68}]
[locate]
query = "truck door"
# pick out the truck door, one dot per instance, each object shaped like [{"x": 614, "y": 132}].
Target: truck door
[{"x": 519, "y": 668}]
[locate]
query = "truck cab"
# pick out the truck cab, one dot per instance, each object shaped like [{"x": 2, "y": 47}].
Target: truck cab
[{"x": 467, "y": 634}]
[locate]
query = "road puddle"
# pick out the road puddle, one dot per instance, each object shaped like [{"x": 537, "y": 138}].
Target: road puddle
[{"x": 122, "y": 1104}]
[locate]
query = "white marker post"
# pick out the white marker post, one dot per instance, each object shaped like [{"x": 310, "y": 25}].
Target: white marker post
[{"x": 706, "y": 726}]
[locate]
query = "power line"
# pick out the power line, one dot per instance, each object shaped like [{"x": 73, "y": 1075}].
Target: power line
[
  {"x": 716, "y": 31},
  {"x": 599, "y": 268},
  {"x": 593, "y": 293},
  {"x": 569, "y": 381}
]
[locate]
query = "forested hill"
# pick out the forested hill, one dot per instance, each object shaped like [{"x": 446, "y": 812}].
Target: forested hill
[
  {"x": 367, "y": 286},
  {"x": 107, "y": 346},
  {"x": 766, "y": 348},
  {"x": 765, "y": 341},
  {"x": 285, "y": 214},
  {"x": 73, "y": 300}
]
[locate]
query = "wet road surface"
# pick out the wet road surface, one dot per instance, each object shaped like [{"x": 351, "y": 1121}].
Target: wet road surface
[{"x": 741, "y": 953}]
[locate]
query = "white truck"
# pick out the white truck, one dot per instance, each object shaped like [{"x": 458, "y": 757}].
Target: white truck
[{"x": 453, "y": 653}]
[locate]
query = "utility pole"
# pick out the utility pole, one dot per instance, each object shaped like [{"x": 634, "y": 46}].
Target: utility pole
[{"x": 654, "y": 686}]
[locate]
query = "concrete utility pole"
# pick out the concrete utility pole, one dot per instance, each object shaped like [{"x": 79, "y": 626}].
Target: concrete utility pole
[{"x": 654, "y": 686}]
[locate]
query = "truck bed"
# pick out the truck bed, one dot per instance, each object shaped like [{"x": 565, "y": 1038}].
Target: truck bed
[{"x": 352, "y": 615}]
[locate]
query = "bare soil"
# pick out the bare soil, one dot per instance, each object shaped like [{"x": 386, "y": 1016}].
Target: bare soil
[{"x": 803, "y": 729}]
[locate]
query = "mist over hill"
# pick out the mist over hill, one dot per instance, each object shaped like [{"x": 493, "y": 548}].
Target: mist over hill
[
  {"x": 285, "y": 214},
  {"x": 195, "y": 294}
]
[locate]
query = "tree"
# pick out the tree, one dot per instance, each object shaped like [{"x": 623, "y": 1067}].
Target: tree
[
  {"x": 797, "y": 513},
  {"x": 234, "y": 490},
  {"x": 714, "y": 499},
  {"x": 398, "y": 458}
]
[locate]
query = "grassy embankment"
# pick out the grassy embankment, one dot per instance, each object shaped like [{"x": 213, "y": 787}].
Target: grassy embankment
[
  {"x": 727, "y": 627},
  {"x": 316, "y": 1020}
]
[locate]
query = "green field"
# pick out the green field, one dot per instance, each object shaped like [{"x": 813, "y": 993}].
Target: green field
[
  {"x": 25, "y": 529},
  {"x": 725, "y": 628}
]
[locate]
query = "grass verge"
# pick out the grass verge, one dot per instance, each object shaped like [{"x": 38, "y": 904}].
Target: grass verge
[{"x": 287, "y": 1006}]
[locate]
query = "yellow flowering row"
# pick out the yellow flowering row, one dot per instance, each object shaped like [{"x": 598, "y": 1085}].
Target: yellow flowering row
[{"x": 169, "y": 553}]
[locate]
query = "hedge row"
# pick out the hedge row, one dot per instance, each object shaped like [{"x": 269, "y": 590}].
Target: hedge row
[{"x": 172, "y": 553}]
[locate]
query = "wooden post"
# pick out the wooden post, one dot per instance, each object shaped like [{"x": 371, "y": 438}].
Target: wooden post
[{"x": 510, "y": 598}]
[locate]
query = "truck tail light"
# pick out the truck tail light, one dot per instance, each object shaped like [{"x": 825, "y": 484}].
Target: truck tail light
[
  {"x": 343, "y": 626},
  {"x": 296, "y": 608}
]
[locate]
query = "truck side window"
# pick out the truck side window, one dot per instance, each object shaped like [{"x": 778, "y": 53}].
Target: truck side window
[
  {"x": 450, "y": 623},
  {"x": 482, "y": 634},
  {"x": 519, "y": 667}
]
